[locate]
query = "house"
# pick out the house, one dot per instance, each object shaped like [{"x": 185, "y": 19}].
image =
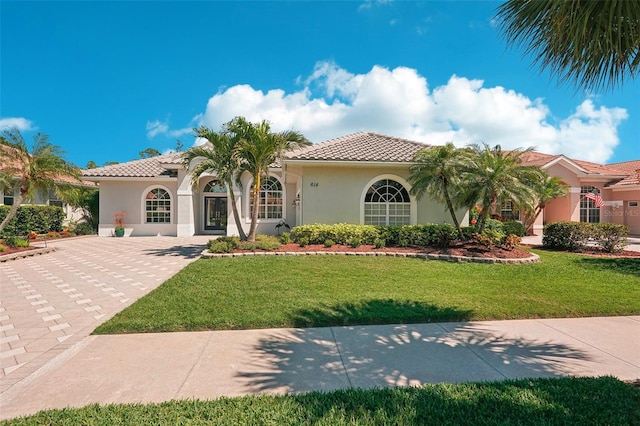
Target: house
[
  {"x": 359, "y": 178},
  {"x": 618, "y": 185}
]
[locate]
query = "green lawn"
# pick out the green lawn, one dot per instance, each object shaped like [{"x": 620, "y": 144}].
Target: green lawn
[
  {"x": 305, "y": 291},
  {"x": 567, "y": 401}
]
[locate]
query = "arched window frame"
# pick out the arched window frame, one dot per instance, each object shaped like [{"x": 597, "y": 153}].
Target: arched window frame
[
  {"x": 413, "y": 206},
  {"x": 262, "y": 205},
  {"x": 145, "y": 193}
]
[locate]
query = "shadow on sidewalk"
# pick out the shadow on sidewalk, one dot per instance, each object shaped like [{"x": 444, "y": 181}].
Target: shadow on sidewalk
[{"x": 400, "y": 355}]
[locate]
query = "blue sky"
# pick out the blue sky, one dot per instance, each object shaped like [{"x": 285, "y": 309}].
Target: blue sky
[{"x": 106, "y": 80}]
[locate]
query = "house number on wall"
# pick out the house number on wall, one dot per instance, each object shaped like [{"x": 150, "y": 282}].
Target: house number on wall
[{"x": 314, "y": 184}]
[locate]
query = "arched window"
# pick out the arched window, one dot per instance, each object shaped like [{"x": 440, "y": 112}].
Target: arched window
[
  {"x": 589, "y": 204},
  {"x": 215, "y": 186},
  {"x": 387, "y": 202},
  {"x": 157, "y": 206},
  {"x": 271, "y": 199}
]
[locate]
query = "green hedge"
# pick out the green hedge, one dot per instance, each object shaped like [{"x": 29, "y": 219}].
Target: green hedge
[
  {"x": 513, "y": 227},
  {"x": 354, "y": 235},
  {"x": 574, "y": 236},
  {"x": 38, "y": 219}
]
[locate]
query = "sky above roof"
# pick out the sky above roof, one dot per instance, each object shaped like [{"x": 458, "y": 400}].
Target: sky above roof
[{"x": 106, "y": 80}]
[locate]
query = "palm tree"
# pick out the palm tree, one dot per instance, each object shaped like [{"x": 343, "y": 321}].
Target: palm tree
[
  {"x": 493, "y": 175},
  {"x": 218, "y": 159},
  {"x": 31, "y": 173},
  {"x": 592, "y": 43},
  {"x": 258, "y": 148},
  {"x": 546, "y": 189},
  {"x": 437, "y": 171}
]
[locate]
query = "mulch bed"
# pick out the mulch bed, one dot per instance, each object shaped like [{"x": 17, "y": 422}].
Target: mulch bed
[{"x": 460, "y": 249}]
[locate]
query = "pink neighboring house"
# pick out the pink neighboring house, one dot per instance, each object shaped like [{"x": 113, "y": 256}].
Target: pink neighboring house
[{"x": 617, "y": 184}]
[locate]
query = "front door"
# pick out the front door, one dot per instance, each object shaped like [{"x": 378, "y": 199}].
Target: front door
[{"x": 215, "y": 213}]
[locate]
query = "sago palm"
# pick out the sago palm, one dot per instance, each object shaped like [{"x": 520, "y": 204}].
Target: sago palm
[
  {"x": 32, "y": 173},
  {"x": 437, "y": 171},
  {"x": 594, "y": 43}
]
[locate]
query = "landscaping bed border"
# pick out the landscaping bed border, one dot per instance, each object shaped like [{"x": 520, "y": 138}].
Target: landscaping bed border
[{"x": 534, "y": 258}]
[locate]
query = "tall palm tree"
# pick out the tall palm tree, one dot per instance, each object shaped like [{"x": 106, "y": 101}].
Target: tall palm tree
[
  {"x": 592, "y": 43},
  {"x": 257, "y": 148},
  {"x": 30, "y": 173},
  {"x": 437, "y": 171},
  {"x": 218, "y": 159},
  {"x": 493, "y": 175},
  {"x": 546, "y": 189}
]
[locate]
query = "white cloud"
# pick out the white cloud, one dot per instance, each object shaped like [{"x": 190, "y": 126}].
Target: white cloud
[
  {"x": 157, "y": 127},
  {"x": 19, "y": 123},
  {"x": 333, "y": 102}
]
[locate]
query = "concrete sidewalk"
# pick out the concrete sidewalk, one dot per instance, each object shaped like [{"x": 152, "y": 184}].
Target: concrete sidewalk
[{"x": 206, "y": 365}]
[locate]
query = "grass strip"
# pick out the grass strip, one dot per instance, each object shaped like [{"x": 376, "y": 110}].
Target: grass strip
[{"x": 565, "y": 401}]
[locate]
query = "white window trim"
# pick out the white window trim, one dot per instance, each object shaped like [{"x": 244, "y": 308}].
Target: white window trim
[
  {"x": 414, "y": 205},
  {"x": 247, "y": 202},
  {"x": 143, "y": 204}
]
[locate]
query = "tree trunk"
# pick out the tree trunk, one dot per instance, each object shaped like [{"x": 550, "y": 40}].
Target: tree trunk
[
  {"x": 453, "y": 213},
  {"x": 234, "y": 209},
  {"x": 254, "y": 211},
  {"x": 12, "y": 211}
]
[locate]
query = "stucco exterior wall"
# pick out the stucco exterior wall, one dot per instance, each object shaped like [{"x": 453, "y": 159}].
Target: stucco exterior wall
[
  {"x": 128, "y": 196},
  {"x": 334, "y": 195}
]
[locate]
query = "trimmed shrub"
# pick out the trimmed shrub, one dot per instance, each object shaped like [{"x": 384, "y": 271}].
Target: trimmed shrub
[
  {"x": 467, "y": 232},
  {"x": 513, "y": 227},
  {"x": 489, "y": 238},
  {"x": 610, "y": 237},
  {"x": 303, "y": 241},
  {"x": 494, "y": 225},
  {"x": 85, "y": 228},
  {"x": 223, "y": 244},
  {"x": 285, "y": 238},
  {"x": 379, "y": 243},
  {"x": 340, "y": 233},
  {"x": 571, "y": 236},
  {"x": 267, "y": 242},
  {"x": 38, "y": 219},
  {"x": 329, "y": 243},
  {"x": 354, "y": 242},
  {"x": 2, "y": 248},
  {"x": 13, "y": 241}
]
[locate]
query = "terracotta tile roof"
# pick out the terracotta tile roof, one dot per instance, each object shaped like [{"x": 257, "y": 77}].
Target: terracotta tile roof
[
  {"x": 631, "y": 168},
  {"x": 540, "y": 159},
  {"x": 148, "y": 167},
  {"x": 534, "y": 158},
  {"x": 363, "y": 146}
]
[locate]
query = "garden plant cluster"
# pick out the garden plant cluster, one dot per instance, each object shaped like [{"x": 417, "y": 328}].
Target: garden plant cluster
[{"x": 496, "y": 234}]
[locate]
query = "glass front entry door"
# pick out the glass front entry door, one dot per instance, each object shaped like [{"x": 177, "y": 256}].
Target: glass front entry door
[{"x": 215, "y": 213}]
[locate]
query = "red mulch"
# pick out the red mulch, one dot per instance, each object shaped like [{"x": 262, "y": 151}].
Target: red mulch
[{"x": 11, "y": 250}]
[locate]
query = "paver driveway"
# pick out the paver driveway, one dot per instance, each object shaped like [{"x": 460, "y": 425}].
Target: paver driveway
[{"x": 49, "y": 302}]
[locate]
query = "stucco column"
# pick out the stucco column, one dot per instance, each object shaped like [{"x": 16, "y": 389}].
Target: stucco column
[
  {"x": 185, "y": 218},
  {"x": 574, "y": 193}
]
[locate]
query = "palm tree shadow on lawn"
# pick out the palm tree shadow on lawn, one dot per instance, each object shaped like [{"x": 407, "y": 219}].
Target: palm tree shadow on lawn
[{"x": 303, "y": 360}]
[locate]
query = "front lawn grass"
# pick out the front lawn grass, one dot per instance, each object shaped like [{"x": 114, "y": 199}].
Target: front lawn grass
[
  {"x": 567, "y": 401},
  {"x": 316, "y": 291}
]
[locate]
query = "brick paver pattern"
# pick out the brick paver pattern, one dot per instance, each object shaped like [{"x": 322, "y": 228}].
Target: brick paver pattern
[{"x": 50, "y": 302}]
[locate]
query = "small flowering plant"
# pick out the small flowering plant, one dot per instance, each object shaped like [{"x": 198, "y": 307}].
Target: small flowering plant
[
  {"x": 119, "y": 220},
  {"x": 474, "y": 213}
]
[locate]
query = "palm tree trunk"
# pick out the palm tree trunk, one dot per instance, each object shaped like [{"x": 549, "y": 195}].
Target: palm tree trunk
[
  {"x": 453, "y": 213},
  {"x": 254, "y": 211},
  {"x": 236, "y": 214},
  {"x": 12, "y": 211}
]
